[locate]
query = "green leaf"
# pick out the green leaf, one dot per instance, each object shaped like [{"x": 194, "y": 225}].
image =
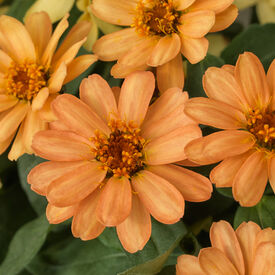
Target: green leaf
[
  {"x": 226, "y": 191},
  {"x": 246, "y": 214},
  {"x": 25, "y": 164},
  {"x": 19, "y": 8},
  {"x": 25, "y": 244},
  {"x": 193, "y": 84},
  {"x": 259, "y": 39},
  {"x": 266, "y": 212},
  {"x": 74, "y": 257}
]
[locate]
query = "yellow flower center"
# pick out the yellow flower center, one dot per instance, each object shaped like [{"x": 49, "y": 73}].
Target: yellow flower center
[
  {"x": 156, "y": 17},
  {"x": 261, "y": 123},
  {"x": 121, "y": 154},
  {"x": 25, "y": 80}
]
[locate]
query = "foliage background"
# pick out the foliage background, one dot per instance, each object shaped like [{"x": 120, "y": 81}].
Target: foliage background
[{"x": 29, "y": 245}]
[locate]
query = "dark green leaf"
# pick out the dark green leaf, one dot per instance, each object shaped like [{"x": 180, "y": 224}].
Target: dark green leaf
[
  {"x": 25, "y": 244},
  {"x": 227, "y": 192},
  {"x": 19, "y": 8},
  {"x": 245, "y": 214},
  {"x": 259, "y": 39},
  {"x": 193, "y": 84},
  {"x": 25, "y": 164},
  {"x": 266, "y": 211},
  {"x": 74, "y": 257}
]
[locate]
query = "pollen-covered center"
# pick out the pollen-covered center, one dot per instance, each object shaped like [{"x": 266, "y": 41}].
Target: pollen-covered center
[
  {"x": 25, "y": 80},
  {"x": 262, "y": 125},
  {"x": 121, "y": 153},
  {"x": 156, "y": 17}
]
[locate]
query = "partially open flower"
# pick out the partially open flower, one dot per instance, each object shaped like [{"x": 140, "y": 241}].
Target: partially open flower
[
  {"x": 246, "y": 251},
  {"x": 158, "y": 32},
  {"x": 32, "y": 74},
  {"x": 241, "y": 101},
  {"x": 111, "y": 164}
]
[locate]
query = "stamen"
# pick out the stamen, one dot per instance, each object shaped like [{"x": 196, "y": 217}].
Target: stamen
[
  {"x": 261, "y": 123},
  {"x": 25, "y": 80},
  {"x": 160, "y": 18},
  {"x": 120, "y": 153}
]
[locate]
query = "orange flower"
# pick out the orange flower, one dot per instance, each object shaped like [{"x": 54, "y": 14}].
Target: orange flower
[
  {"x": 110, "y": 163},
  {"x": 32, "y": 74},
  {"x": 159, "y": 30},
  {"x": 248, "y": 251},
  {"x": 241, "y": 101}
]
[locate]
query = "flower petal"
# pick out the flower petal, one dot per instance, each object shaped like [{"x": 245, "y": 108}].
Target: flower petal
[
  {"x": 214, "y": 5},
  {"x": 15, "y": 40},
  {"x": 115, "y": 202},
  {"x": 5, "y": 62},
  {"x": 61, "y": 146},
  {"x": 166, "y": 49},
  {"x": 136, "y": 93},
  {"x": 193, "y": 186},
  {"x": 251, "y": 179},
  {"x": 222, "y": 86},
  {"x": 57, "y": 78},
  {"x": 78, "y": 66},
  {"x": 17, "y": 148},
  {"x": 214, "y": 113},
  {"x": 40, "y": 99},
  {"x": 194, "y": 49},
  {"x": 119, "y": 12},
  {"x": 85, "y": 224},
  {"x": 44, "y": 173},
  {"x": 251, "y": 77},
  {"x": 12, "y": 119},
  {"x": 57, "y": 215},
  {"x": 197, "y": 24},
  {"x": 225, "y": 19},
  {"x": 39, "y": 27},
  {"x": 271, "y": 173},
  {"x": 124, "y": 40},
  {"x": 73, "y": 187},
  {"x": 223, "y": 237},
  {"x": 170, "y": 147},
  {"x": 135, "y": 231},
  {"x": 162, "y": 199},
  {"x": 219, "y": 146},
  {"x": 77, "y": 33},
  {"x": 174, "y": 69},
  {"x": 55, "y": 9},
  {"x": 32, "y": 125},
  {"x": 7, "y": 101},
  {"x": 78, "y": 116},
  {"x": 214, "y": 262},
  {"x": 96, "y": 93},
  {"x": 183, "y": 4},
  {"x": 264, "y": 261},
  {"x": 46, "y": 113},
  {"x": 51, "y": 46},
  {"x": 223, "y": 174},
  {"x": 187, "y": 264},
  {"x": 246, "y": 234},
  {"x": 122, "y": 70}
]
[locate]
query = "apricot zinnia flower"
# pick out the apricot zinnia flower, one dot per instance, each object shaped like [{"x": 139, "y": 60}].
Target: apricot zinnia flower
[
  {"x": 241, "y": 101},
  {"x": 32, "y": 74},
  {"x": 248, "y": 251},
  {"x": 159, "y": 31},
  {"x": 110, "y": 164}
]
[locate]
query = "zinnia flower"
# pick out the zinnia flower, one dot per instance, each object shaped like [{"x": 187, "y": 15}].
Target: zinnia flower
[
  {"x": 158, "y": 32},
  {"x": 58, "y": 9},
  {"x": 241, "y": 101},
  {"x": 265, "y": 9},
  {"x": 246, "y": 251},
  {"x": 111, "y": 164},
  {"x": 32, "y": 74}
]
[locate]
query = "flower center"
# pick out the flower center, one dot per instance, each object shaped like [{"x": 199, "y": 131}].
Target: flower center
[
  {"x": 25, "y": 80},
  {"x": 156, "y": 17},
  {"x": 262, "y": 125},
  {"x": 121, "y": 154}
]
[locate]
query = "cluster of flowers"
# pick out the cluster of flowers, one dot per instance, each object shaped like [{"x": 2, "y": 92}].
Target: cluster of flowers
[{"x": 115, "y": 155}]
